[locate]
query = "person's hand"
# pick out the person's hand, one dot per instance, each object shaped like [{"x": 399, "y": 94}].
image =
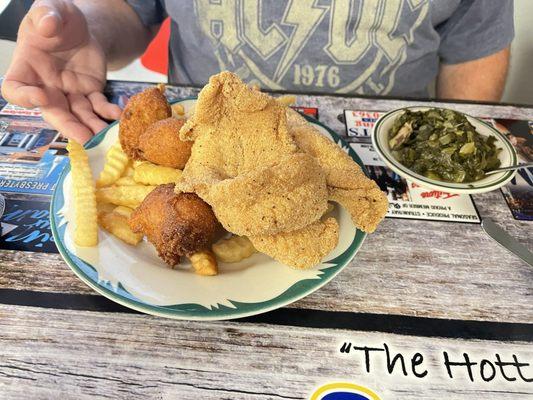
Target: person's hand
[{"x": 58, "y": 66}]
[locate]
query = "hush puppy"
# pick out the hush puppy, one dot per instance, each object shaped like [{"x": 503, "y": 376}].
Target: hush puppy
[
  {"x": 161, "y": 144},
  {"x": 142, "y": 110},
  {"x": 176, "y": 224}
]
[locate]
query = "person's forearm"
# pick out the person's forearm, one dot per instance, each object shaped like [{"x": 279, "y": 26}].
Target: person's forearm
[
  {"x": 117, "y": 28},
  {"x": 481, "y": 80}
]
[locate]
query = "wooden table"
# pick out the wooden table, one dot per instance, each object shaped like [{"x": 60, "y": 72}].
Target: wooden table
[{"x": 416, "y": 286}]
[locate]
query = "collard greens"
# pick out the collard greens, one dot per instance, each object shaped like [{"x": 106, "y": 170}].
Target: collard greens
[{"x": 443, "y": 145}]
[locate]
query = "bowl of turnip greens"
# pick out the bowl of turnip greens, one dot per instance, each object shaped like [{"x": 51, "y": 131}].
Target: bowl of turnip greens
[{"x": 443, "y": 149}]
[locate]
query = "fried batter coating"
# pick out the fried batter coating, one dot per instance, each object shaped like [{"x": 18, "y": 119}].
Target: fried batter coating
[
  {"x": 142, "y": 110},
  {"x": 268, "y": 174},
  {"x": 160, "y": 144},
  {"x": 303, "y": 248},
  {"x": 347, "y": 184},
  {"x": 235, "y": 129},
  {"x": 245, "y": 163},
  {"x": 283, "y": 197},
  {"x": 176, "y": 224}
]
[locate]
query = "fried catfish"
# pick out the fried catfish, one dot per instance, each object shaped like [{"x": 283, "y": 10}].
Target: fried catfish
[{"x": 268, "y": 174}]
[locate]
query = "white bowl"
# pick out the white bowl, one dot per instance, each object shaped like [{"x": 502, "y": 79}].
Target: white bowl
[{"x": 507, "y": 156}]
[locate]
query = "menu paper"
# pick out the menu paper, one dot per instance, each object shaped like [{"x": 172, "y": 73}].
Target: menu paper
[
  {"x": 32, "y": 155},
  {"x": 518, "y": 193},
  {"x": 25, "y": 223},
  {"x": 406, "y": 199},
  {"x": 12, "y": 109}
]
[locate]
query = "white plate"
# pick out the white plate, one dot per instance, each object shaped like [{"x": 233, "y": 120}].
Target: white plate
[
  {"x": 507, "y": 156},
  {"x": 136, "y": 277}
]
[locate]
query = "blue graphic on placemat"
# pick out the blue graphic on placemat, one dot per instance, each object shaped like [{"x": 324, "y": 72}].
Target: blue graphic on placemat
[
  {"x": 32, "y": 155},
  {"x": 26, "y": 226},
  {"x": 38, "y": 178}
]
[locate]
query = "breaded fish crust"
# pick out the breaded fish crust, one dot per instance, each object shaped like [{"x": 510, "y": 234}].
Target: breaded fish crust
[
  {"x": 268, "y": 174},
  {"x": 286, "y": 196},
  {"x": 244, "y": 162},
  {"x": 302, "y": 248},
  {"x": 142, "y": 110},
  {"x": 238, "y": 129},
  {"x": 347, "y": 184}
]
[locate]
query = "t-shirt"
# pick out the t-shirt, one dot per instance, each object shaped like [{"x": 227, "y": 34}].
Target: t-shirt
[{"x": 365, "y": 47}]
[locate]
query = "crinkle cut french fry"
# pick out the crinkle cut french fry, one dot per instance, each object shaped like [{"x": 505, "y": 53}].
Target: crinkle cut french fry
[
  {"x": 126, "y": 181},
  {"x": 129, "y": 196},
  {"x": 117, "y": 224},
  {"x": 234, "y": 249},
  {"x": 204, "y": 263},
  {"x": 123, "y": 210},
  {"x": 85, "y": 212},
  {"x": 102, "y": 208},
  {"x": 129, "y": 170},
  {"x": 115, "y": 165},
  {"x": 152, "y": 174}
]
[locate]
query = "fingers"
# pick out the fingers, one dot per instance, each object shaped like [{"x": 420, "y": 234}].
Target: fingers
[
  {"x": 58, "y": 114},
  {"x": 82, "y": 109},
  {"x": 46, "y": 17},
  {"x": 81, "y": 82},
  {"x": 49, "y": 25},
  {"x": 103, "y": 107},
  {"x": 68, "y": 126},
  {"x": 23, "y": 95},
  {"x": 74, "y": 115},
  {"x": 54, "y": 25}
]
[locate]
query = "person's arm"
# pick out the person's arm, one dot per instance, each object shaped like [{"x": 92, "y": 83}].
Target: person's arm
[
  {"x": 482, "y": 79},
  {"x": 59, "y": 63},
  {"x": 474, "y": 50},
  {"x": 117, "y": 28}
]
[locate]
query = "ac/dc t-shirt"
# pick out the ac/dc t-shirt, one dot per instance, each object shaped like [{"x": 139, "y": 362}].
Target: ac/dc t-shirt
[{"x": 370, "y": 47}]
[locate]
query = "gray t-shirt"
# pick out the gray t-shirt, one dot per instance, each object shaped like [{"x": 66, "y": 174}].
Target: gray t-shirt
[{"x": 370, "y": 47}]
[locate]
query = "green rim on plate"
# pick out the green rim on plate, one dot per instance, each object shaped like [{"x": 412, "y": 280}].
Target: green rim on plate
[
  {"x": 88, "y": 274},
  {"x": 506, "y": 176}
]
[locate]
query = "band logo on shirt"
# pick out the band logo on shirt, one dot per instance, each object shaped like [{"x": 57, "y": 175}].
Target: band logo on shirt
[{"x": 347, "y": 46}]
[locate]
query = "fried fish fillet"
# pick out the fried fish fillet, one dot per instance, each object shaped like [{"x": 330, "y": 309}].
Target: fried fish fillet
[
  {"x": 268, "y": 174},
  {"x": 347, "y": 184},
  {"x": 142, "y": 110},
  {"x": 245, "y": 163},
  {"x": 237, "y": 129},
  {"x": 176, "y": 224},
  {"x": 160, "y": 144},
  {"x": 303, "y": 248},
  {"x": 286, "y": 196}
]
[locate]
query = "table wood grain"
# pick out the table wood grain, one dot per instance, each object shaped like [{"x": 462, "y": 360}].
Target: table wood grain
[
  {"x": 424, "y": 269},
  {"x": 431, "y": 269},
  {"x": 84, "y": 355}
]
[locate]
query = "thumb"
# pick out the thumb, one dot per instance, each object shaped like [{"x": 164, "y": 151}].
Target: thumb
[{"x": 46, "y": 17}]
